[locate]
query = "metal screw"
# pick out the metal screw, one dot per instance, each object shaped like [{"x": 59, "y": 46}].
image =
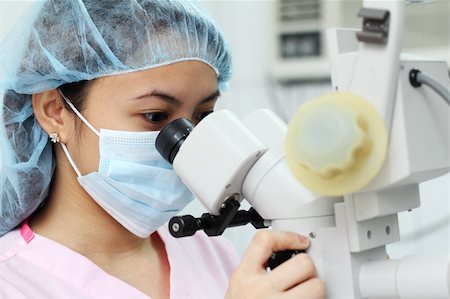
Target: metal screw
[
  {"x": 388, "y": 230},
  {"x": 312, "y": 235},
  {"x": 175, "y": 227}
]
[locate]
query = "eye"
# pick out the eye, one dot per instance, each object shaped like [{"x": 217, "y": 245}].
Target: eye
[
  {"x": 156, "y": 117},
  {"x": 203, "y": 114}
]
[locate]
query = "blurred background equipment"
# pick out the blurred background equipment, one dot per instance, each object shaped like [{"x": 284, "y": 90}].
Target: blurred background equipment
[{"x": 301, "y": 52}]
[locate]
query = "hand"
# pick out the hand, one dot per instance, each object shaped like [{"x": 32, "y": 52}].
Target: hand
[{"x": 295, "y": 278}]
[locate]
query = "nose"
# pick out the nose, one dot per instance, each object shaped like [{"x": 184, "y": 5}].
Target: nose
[{"x": 183, "y": 115}]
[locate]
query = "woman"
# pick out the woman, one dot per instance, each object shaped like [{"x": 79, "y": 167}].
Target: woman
[{"x": 88, "y": 85}]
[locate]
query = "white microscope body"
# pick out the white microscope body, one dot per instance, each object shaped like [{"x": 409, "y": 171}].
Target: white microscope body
[{"x": 224, "y": 158}]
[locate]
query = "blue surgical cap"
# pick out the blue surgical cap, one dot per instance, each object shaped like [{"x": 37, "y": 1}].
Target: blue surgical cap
[{"x": 65, "y": 41}]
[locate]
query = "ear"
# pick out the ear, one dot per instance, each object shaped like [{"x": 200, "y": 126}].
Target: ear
[{"x": 52, "y": 115}]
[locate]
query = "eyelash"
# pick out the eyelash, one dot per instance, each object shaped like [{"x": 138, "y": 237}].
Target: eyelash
[
  {"x": 204, "y": 114},
  {"x": 147, "y": 117},
  {"x": 164, "y": 115}
]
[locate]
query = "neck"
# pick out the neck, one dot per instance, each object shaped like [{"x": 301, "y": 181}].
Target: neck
[{"x": 71, "y": 217}]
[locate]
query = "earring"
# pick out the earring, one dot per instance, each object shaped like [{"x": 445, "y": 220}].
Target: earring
[{"x": 54, "y": 137}]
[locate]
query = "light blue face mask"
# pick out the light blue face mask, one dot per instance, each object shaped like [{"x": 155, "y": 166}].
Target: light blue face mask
[{"x": 134, "y": 183}]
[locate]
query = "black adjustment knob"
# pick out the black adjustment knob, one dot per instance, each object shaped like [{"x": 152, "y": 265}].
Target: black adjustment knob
[
  {"x": 280, "y": 257},
  {"x": 183, "y": 226}
]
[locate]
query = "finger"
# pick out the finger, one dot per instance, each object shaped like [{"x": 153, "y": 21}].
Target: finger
[
  {"x": 312, "y": 289},
  {"x": 296, "y": 270},
  {"x": 265, "y": 243}
]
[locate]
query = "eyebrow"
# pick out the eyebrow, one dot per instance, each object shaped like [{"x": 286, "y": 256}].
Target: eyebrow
[{"x": 173, "y": 100}]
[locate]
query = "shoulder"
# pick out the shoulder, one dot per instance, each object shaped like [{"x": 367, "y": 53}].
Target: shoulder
[
  {"x": 10, "y": 245},
  {"x": 7, "y": 290},
  {"x": 215, "y": 252},
  {"x": 201, "y": 266}
]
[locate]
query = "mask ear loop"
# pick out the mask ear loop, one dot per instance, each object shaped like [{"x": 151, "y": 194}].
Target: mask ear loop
[
  {"x": 84, "y": 120},
  {"x": 66, "y": 151},
  {"x": 79, "y": 114}
]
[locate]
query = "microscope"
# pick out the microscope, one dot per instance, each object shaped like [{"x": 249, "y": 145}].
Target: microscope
[{"x": 343, "y": 168}]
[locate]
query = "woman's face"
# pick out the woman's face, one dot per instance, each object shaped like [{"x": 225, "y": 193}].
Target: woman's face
[{"x": 143, "y": 101}]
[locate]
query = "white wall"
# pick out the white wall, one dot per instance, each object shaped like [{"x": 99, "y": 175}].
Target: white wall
[{"x": 10, "y": 11}]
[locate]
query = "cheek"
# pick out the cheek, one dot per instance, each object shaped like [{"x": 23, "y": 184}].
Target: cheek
[
  {"x": 86, "y": 150},
  {"x": 120, "y": 119}
]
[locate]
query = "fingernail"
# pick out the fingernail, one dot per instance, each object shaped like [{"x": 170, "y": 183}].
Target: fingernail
[{"x": 304, "y": 239}]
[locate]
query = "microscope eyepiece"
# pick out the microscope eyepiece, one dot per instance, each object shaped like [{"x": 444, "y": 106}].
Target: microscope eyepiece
[{"x": 172, "y": 137}]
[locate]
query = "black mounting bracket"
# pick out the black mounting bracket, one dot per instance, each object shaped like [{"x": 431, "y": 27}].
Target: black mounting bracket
[{"x": 215, "y": 225}]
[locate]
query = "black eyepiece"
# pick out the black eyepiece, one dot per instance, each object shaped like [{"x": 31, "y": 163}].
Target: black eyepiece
[{"x": 172, "y": 137}]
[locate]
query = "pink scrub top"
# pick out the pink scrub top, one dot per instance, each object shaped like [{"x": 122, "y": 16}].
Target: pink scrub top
[{"x": 32, "y": 266}]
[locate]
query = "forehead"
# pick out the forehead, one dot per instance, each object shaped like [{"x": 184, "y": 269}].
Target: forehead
[
  {"x": 178, "y": 72},
  {"x": 185, "y": 80}
]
